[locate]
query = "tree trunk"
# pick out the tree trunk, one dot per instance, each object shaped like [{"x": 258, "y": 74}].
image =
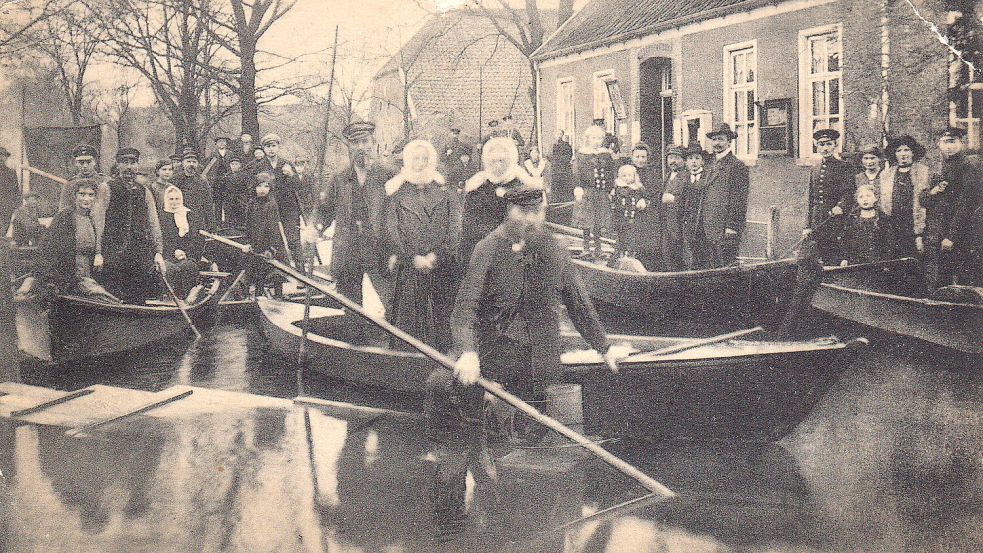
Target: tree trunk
[
  {"x": 247, "y": 89},
  {"x": 533, "y": 101},
  {"x": 564, "y": 11}
]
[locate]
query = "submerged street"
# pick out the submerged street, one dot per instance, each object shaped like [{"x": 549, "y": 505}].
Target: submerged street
[{"x": 890, "y": 460}]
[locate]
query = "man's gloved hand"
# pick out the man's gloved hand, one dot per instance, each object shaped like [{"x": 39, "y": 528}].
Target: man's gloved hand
[{"x": 578, "y": 194}]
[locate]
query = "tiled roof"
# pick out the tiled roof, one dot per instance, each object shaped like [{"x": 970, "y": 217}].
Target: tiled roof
[
  {"x": 459, "y": 57},
  {"x": 603, "y": 22}
]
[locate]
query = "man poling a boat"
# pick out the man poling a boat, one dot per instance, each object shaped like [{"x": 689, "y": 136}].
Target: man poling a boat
[{"x": 505, "y": 327}]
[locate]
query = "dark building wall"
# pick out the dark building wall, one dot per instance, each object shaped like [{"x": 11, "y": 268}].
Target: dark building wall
[{"x": 776, "y": 179}]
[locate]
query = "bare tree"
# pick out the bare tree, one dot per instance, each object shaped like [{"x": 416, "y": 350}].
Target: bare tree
[
  {"x": 113, "y": 108},
  {"x": 70, "y": 40},
  {"x": 525, "y": 29},
  {"x": 240, "y": 33},
  {"x": 171, "y": 44},
  {"x": 21, "y": 21}
]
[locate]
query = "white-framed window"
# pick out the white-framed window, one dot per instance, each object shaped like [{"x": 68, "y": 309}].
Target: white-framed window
[
  {"x": 693, "y": 127},
  {"x": 740, "y": 95},
  {"x": 566, "y": 120},
  {"x": 966, "y": 106},
  {"x": 820, "y": 84},
  {"x": 604, "y": 107}
]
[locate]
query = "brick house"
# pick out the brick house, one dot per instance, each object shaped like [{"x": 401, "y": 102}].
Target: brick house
[
  {"x": 456, "y": 71},
  {"x": 665, "y": 71}
]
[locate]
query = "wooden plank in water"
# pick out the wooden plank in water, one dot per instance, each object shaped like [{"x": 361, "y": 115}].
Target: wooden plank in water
[
  {"x": 83, "y": 430},
  {"x": 51, "y": 403},
  {"x": 357, "y": 409}
]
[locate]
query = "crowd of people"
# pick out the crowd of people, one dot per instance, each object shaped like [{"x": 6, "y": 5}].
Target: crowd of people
[{"x": 895, "y": 206}]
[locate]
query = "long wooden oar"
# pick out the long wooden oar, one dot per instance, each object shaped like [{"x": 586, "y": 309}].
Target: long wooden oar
[
  {"x": 678, "y": 348},
  {"x": 576, "y": 233},
  {"x": 180, "y": 305},
  {"x": 493, "y": 388},
  {"x": 859, "y": 267}
]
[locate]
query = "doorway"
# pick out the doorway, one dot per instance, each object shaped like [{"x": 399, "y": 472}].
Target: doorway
[{"x": 655, "y": 109}]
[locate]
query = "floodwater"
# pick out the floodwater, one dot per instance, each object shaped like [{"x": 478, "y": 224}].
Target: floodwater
[{"x": 891, "y": 460}]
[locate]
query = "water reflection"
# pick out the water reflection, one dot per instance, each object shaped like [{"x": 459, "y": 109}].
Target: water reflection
[{"x": 890, "y": 460}]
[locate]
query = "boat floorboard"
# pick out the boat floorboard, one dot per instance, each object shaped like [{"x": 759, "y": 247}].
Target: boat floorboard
[{"x": 108, "y": 401}]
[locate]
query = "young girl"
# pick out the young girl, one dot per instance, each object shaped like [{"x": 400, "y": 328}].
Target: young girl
[
  {"x": 595, "y": 172},
  {"x": 866, "y": 237},
  {"x": 183, "y": 245},
  {"x": 423, "y": 230},
  {"x": 627, "y": 199},
  {"x": 262, "y": 231}
]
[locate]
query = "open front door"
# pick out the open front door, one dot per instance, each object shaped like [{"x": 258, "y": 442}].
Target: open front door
[{"x": 656, "y": 109}]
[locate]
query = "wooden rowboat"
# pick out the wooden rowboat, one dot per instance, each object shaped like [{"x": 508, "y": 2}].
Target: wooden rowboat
[
  {"x": 743, "y": 391},
  {"x": 77, "y": 328},
  {"x": 748, "y": 294},
  {"x": 866, "y": 299}
]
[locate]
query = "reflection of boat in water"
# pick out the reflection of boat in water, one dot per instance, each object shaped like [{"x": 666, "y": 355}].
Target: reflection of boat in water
[
  {"x": 745, "y": 391},
  {"x": 952, "y": 317},
  {"x": 741, "y": 295},
  {"x": 79, "y": 328}
]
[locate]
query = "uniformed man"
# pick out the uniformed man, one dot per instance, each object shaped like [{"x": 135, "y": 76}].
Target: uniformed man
[
  {"x": 831, "y": 185},
  {"x": 673, "y": 251},
  {"x": 455, "y": 149},
  {"x": 505, "y": 328},
  {"x": 132, "y": 244},
  {"x": 954, "y": 228},
  {"x": 354, "y": 201}
]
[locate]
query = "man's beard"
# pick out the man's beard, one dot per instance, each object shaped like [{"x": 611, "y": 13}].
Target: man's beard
[
  {"x": 533, "y": 234},
  {"x": 360, "y": 159}
]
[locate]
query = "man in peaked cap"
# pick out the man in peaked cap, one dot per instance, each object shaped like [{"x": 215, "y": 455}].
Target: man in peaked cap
[
  {"x": 354, "y": 199},
  {"x": 726, "y": 197},
  {"x": 132, "y": 243},
  {"x": 831, "y": 185},
  {"x": 954, "y": 227},
  {"x": 511, "y": 338}
]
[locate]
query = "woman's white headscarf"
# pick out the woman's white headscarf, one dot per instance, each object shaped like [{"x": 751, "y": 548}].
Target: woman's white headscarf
[
  {"x": 499, "y": 145},
  {"x": 595, "y": 131},
  {"x": 180, "y": 212},
  {"x": 406, "y": 174}
]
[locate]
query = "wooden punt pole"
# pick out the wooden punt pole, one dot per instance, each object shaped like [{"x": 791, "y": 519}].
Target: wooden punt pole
[
  {"x": 51, "y": 403},
  {"x": 85, "y": 429}
]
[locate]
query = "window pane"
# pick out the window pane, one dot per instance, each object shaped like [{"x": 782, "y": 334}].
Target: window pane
[
  {"x": 833, "y": 49},
  {"x": 834, "y": 96},
  {"x": 819, "y": 98},
  {"x": 976, "y": 99},
  {"x": 817, "y": 51},
  {"x": 751, "y": 59},
  {"x": 750, "y": 105}
]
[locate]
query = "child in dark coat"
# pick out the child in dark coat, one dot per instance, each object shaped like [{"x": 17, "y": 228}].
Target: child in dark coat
[
  {"x": 867, "y": 236},
  {"x": 262, "y": 232}
]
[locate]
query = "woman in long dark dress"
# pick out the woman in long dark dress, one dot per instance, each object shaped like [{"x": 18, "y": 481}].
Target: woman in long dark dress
[
  {"x": 423, "y": 230},
  {"x": 183, "y": 244}
]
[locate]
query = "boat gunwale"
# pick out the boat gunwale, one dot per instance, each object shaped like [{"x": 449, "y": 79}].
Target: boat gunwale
[
  {"x": 210, "y": 292},
  {"x": 901, "y": 299},
  {"x": 656, "y": 276},
  {"x": 829, "y": 343}
]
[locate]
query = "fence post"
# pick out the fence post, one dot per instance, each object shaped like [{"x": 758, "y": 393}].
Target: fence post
[{"x": 773, "y": 214}]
